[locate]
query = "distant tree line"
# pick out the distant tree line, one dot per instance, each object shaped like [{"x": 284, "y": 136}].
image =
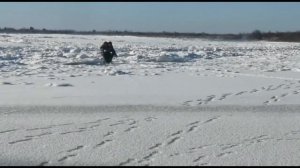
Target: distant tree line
[{"x": 255, "y": 35}]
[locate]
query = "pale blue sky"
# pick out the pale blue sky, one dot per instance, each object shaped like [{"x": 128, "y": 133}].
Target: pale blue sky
[{"x": 210, "y": 17}]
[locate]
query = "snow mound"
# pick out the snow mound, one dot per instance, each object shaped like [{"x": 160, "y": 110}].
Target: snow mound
[
  {"x": 8, "y": 57},
  {"x": 170, "y": 58},
  {"x": 96, "y": 61},
  {"x": 153, "y": 55}
]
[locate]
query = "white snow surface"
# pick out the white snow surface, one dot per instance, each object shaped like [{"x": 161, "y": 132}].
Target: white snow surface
[{"x": 163, "y": 101}]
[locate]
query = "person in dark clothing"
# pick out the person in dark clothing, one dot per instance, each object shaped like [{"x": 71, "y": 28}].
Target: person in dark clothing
[{"x": 108, "y": 51}]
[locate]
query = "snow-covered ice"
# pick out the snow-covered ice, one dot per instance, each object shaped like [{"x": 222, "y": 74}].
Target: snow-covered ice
[{"x": 163, "y": 101}]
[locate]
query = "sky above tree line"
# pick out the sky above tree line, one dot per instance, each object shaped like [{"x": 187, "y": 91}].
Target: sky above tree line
[{"x": 197, "y": 17}]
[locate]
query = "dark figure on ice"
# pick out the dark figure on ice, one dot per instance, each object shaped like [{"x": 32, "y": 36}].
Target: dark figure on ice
[{"x": 108, "y": 51}]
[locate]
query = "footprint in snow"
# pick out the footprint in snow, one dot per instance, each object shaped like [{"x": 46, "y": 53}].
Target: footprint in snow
[
  {"x": 65, "y": 85},
  {"x": 7, "y": 83},
  {"x": 59, "y": 85}
]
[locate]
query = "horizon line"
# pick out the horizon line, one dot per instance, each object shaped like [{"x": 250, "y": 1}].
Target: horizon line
[{"x": 132, "y": 31}]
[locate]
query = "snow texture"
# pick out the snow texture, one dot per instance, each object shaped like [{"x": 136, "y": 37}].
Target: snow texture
[{"x": 162, "y": 101}]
